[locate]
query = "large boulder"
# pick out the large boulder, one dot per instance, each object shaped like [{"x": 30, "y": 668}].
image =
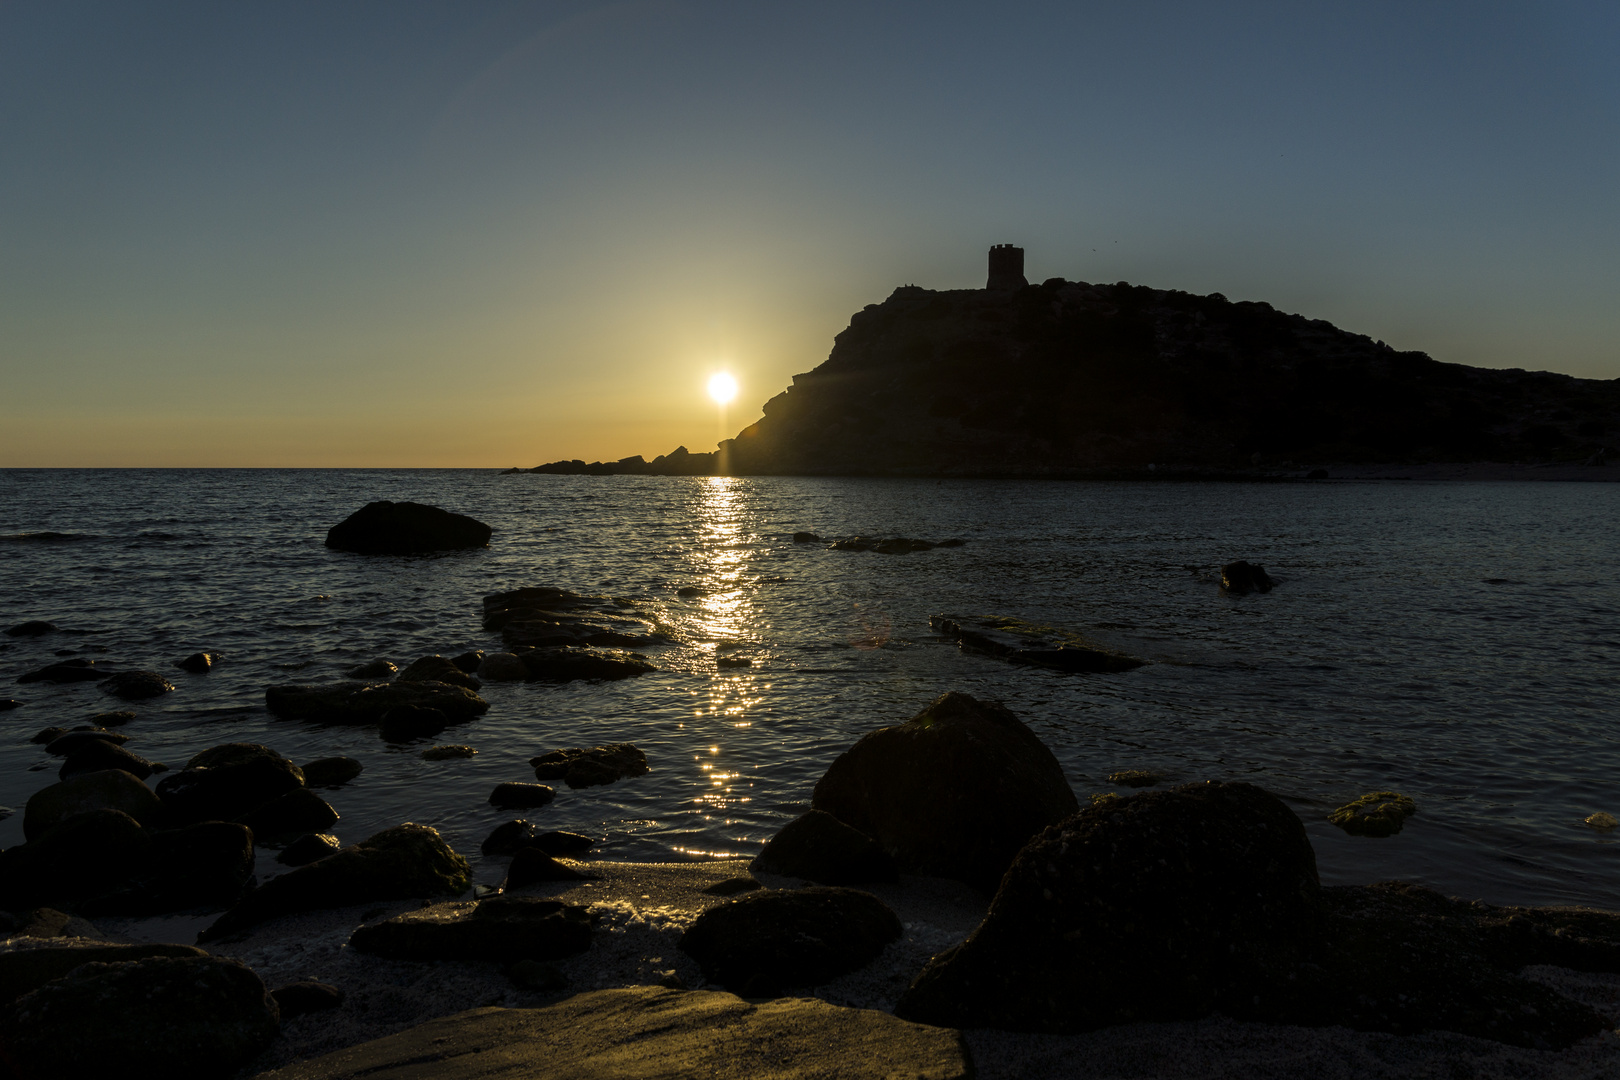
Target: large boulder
[
  {"x": 367, "y": 703},
  {"x": 289, "y": 816},
  {"x": 593, "y": 766},
  {"x": 819, "y": 847},
  {"x": 83, "y": 855},
  {"x": 1243, "y": 577},
  {"x": 96, "y": 755},
  {"x": 405, "y": 528},
  {"x": 400, "y": 863},
  {"x": 64, "y": 745},
  {"x": 223, "y": 783},
  {"x": 505, "y": 929},
  {"x": 767, "y": 942},
  {"x": 201, "y": 866},
  {"x": 652, "y": 1033},
  {"x": 403, "y": 723},
  {"x": 1162, "y": 906},
  {"x": 954, "y": 792},
  {"x": 110, "y": 789},
  {"x": 513, "y": 836},
  {"x": 25, "y": 970},
  {"x": 191, "y": 1016}
]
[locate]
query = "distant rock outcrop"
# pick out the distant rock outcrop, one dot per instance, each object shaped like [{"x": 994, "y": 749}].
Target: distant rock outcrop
[{"x": 405, "y": 528}]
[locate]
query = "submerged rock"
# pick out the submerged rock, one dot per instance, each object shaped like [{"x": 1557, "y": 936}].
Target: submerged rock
[
  {"x": 137, "y": 685},
  {"x": 69, "y": 671},
  {"x": 7, "y": 704},
  {"x": 374, "y": 669},
  {"x": 515, "y": 796},
  {"x": 366, "y": 703},
  {"x": 116, "y": 718},
  {"x": 954, "y": 792},
  {"x": 768, "y": 942},
  {"x": 819, "y": 847},
  {"x": 406, "y": 528},
  {"x": 448, "y": 752},
  {"x": 1135, "y": 778},
  {"x": 199, "y": 663},
  {"x": 504, "y": 929},
  {"x": 31, "y": 628},
  {"x": 403, "y": 723},
  {"x": 590, "y": 767},
  {"x": 896, "y": 545},
  {"x": 544, "y": 617},
  {"x": 1019, "y": 642},
  {"x": 329, "y": 772},
  {"x": 569, "y": 664},
  {"x": 503, "y": 667},
  {"x": 399, "y": 863},
  {"x": 1245, "y": 577},
  {"x": 436, "y": 669},
  {"x": 1378, "y": 813}
]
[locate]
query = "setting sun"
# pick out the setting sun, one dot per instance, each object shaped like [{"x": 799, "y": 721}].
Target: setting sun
[{"x": 722, "y": 388}]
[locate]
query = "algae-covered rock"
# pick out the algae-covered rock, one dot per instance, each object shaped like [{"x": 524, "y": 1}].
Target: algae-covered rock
[
  {"x": 1601, "y": 821},
  {"x": 399, "y": 863},
  {"x": 1135, "y": 778},
  {"x": 1378, "y": 813}
]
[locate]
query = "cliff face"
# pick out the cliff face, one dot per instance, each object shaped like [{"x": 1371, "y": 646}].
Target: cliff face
[{"x": 1067, "y": 377}]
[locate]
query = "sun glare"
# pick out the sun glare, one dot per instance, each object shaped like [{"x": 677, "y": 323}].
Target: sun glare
[{"x": 722, "y": 388}]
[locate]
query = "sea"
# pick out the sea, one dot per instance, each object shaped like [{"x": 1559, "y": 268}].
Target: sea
[{"x": 1457, "y": 642}]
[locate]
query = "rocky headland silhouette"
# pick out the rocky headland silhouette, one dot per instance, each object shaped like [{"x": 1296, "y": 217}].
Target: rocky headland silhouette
[{"x": 1067, "y": 378}]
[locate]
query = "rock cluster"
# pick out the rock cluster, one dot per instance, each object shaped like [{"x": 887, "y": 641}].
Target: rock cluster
[{"x": 579, "y": 768}]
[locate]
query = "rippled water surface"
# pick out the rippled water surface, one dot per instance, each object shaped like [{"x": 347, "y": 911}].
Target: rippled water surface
[{"x": 1455, "y": 642}]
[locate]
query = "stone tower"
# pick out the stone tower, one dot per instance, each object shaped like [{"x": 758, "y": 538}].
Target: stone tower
[{"x": 1006, "y": 267}]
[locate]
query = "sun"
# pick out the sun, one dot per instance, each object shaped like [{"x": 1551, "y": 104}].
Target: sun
[{"x": 722, "y": 388}]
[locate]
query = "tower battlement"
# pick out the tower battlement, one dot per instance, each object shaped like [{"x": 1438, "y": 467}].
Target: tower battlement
[{"x": 1006, "y": 267}]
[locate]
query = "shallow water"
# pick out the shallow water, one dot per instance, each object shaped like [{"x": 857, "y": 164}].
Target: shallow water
[{"x": 1453, "y": 641}]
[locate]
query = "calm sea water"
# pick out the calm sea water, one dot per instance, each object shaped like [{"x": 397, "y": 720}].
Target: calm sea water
[{"x": 1455, "y": 642}]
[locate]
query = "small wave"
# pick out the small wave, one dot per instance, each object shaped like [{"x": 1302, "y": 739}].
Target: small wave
[{"x": 42, "y": 537}]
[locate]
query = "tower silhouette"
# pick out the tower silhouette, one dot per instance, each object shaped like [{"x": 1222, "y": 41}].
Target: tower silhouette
[{"x": 1006, "y": 267}]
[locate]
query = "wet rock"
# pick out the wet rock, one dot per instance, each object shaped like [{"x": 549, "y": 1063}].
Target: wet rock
[
  {"x": 567, "y": 664},
  {"x": 733, "y": 886},
  {"x": 1019, "y": 642},
  {"x": 225, "y": 782},
  {"x": 207, "y": 865},
  {"x": 406, "y": 722},
  {"x": 354, "y": 703},
  {"x": 136, "y": 685},
  {"x": 109, "y": 789},
  {"x": 83, "y": 855},
  {"x": 1378, "y": 813},
  {"x": 504, "y": 929},
  {"x": 1245, "y": 577},
  {"x": 375, "y": 669},
  {"x": 531, "y": 866},
  {"x": 287, "y": 816},
  {"x": 96, "y": 755},
  {"x": 306, "y": 996},
  {"x": 1601, "y": 821},
  {"x": 819, "y": 847},
  {"x": 1163, "y": 906},
  {"x": 197, "y": 1016},
  {"x": 806, "y": 538},
  {"x": 330, "y": 772},
  {"x": 896, "y": 545},
  {"x": 72, "y": 740},
  {"x": 199, "y": 663},
  {"x": 399, "y": 863},
  {"x": 406, "y": 528},
  {"x": 448, "y": 752},
  {"x": 954, "y": 792},
  {"x": 1135, "y": 778},
  {"x": 437, "y": 669},
  {"x": 513, "y": 836},
  {"x": 31, "y": 628},
  {"x": 69, "y": 671},
  {"x": 7, "y": 704},
  {"x": 306, "y": 849},
  {"x": 25, "y": 970},
  {"x": 503, "y": 667},
  {"x": 514, "y": 796},
  {"x": 469, "y": 661},
  {"x": 590, "y": 767},
  {"x": 116, "y": 718},
  {"x": 770, "y": 941},
  {"x": 542, "y": 617},
  {"x": 733, "y": 662},
  {"x": 47, "y": 735}
]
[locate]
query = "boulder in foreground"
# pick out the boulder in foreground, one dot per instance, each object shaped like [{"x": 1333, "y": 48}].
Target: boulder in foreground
[
  {"x": 954, "y": 792},
  {"x": 817, "y": 846},
  {"x": 648, "y": 1032},
  {"x": 406, "y": 528}
]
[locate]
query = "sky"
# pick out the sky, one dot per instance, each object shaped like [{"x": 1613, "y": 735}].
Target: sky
[{"x": 493, "y": 234}]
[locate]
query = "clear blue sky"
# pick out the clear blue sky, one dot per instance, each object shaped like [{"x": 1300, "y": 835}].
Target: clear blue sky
[{"x": 492, "y": 233}]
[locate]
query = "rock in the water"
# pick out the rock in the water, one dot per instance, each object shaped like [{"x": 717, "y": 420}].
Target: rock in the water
[
  {"x": 7, "y": 704},
  {"x": 399, "y": 863},
  {"x": 47, "y": 735},
  {"x": 206, "y": 865},
  {"x": 1019, "y": 642},
  {"x": 198, "y": 663},
  {"x": 403, "y": 723},
  {"x": 331, "y": 771},
  {"x": 225, "y": 782},
  {"x": 1245, "y": 577},
  {"x": 72, "y": 740},
  {"x": 819, "y": 847},
  {"x": 196, "y": 1016},
  {"x": 1163, "y": 906},
  {"x": 355, "y": 703},
  {"x": 653, "y": 1033},
  {"x": 1135, "y": 778},
  {"x": 31, "y": 628},
  {"x": 290, "y": 815},
  {"x": 69, "y": 671},
  {"x": 1377, "y": 813},
  {"x": 306, "y": 996},
  {"x": 307, "y": 848},
  {"x": 374, "y": 669},
  {"x": 116, "y": 718},
  {"x": 109, "y": 789},
  {"x": 436, "y": 669},
  {"x": 514, "y": 836},
  {"x": 137, "y": 685},
  {"x": 895, "y": 545},
  {"x": 505, "y": 929},
  {"x": 531, "y": 865},
  {"x": 448, "y": 752},
  {"x": 566, "y": 664},
  {"x": 83, "y": 855},
  {"x": 589, "y": 767},
  {"x": 25, "y": 970},
  {"x": 503, "y": 667},
  {"x": 542, "y": 617},
  {"x": 468, "y": 661},
  {"x": 96, "y": 755},
  {"x": 806, "y": 538},
  {"x": 515, "y": 796},
  {"x": 769, "y": 941},
  {"x": 406, "y": 528},
  {"x": 954, "y": 792}
]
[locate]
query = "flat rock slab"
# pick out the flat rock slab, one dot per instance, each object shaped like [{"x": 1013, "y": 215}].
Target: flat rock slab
[
  {"x": 650, "y": 1033},
  {"x": 1019, "y": 642}
]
